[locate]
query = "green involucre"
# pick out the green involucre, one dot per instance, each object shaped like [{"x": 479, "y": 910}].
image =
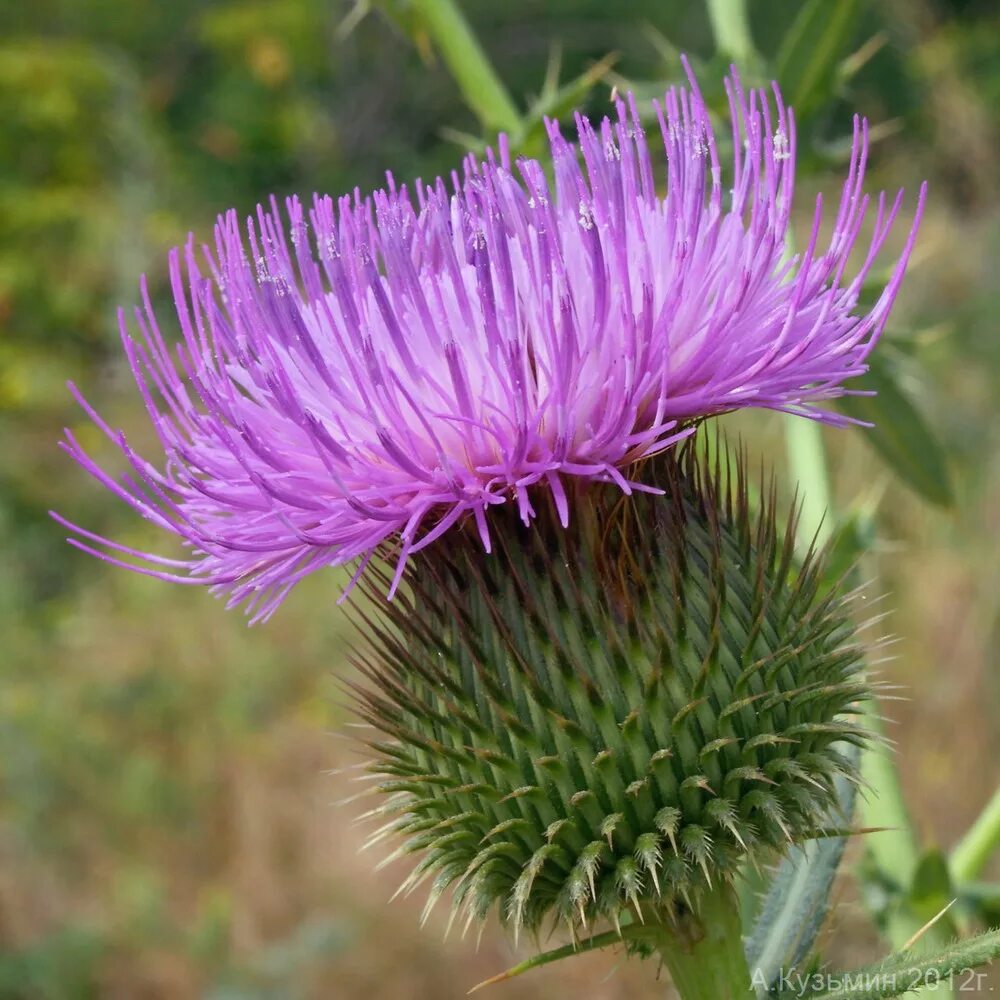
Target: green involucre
[{"x": 615, "y": 714}]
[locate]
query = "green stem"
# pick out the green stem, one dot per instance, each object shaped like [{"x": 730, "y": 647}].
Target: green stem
[
  {"x": 481, "y": 87},
  {"x": 731, "y": 28},
  {"x": 703, "y": 949},
  {"x": 952, "y": 967},
  {"x": 973, "y": 851},
  {"x": 807, "y": 461},
  {"x": 895, "y": 851}
]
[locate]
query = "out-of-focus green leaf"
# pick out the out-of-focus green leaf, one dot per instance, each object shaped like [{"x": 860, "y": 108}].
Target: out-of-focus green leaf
[
  {"x": 441, "y": 26},
  {"x": 557, "y": 101},
  {"x": 983, "y": 900},
  {"x": 400, "y": 14},
  {"x": 980, "y": 842},
  {"x": 900, "y": 435},
  {"x": 731, "y": 28},
  {"x": 837, "y": 151},
  {"x": 807, "y": 61},
  {"x": 60, "y": 964},
  {"x": 931, "y": 889},
  {"x": 553, "y": 101},
  {"x": 857, "y": 60},
  {"x": 853, "y": 535},
  {"x": 482, "y": 89}
]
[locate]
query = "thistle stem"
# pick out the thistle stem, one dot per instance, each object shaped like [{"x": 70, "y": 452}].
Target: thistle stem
[
  {"x": 896, "y": 854},
  {"x": 973, "y": 851},
  {"x": 482, "y": 89},
  {"x": 703, "y": 949},
  {"x": 731, "y": 28},
  {"x": 885, "y": 808},
  {"x": 806, "y": 458}
]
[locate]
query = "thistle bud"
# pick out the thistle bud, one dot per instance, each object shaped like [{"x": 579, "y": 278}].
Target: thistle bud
[{"x": 611, "y": 715}]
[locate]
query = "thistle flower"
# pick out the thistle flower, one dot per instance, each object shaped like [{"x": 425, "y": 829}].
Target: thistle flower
[{"x": 401, "y": 363}]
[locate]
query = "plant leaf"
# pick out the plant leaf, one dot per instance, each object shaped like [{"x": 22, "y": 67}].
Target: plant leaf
[
  {"x": 931, "y": 887},
  {"x": 605, "y": 940},
  {"x": 900, "y": 434},
  {"x": 797, "y": 900},
  {"x": 441, "y": 25},
  {"x": 813, "y": 47},
  {"x": 558, "y": 101}
]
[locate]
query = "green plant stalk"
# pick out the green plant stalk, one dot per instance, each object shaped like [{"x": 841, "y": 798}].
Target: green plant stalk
[
  {"x": 953, "y": 966},
  {"x": 895, "y": 851},
  {"x": 974, "y": 849},
  {"x": 703, "y": 950},
  {"x": 884, "y": 806},
  {"x": 807, "y": 463},
  {"x": 460, "y": 49},
  {"x": 731, "y": 28}
]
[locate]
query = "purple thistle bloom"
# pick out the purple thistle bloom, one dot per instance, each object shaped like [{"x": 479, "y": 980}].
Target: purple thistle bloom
[{"x": 397, "y": 363}]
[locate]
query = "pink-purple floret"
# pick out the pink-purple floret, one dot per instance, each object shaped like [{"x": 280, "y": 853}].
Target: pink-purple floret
[{"x": 377, "y": 369}]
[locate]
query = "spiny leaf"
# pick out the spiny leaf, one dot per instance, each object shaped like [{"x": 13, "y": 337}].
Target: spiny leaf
[{"x": 797, "y": 899}]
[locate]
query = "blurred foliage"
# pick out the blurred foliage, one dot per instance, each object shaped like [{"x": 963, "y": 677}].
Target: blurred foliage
[{"x": 165, "y": 828}]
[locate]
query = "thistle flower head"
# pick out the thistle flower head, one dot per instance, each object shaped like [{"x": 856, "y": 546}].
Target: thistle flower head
[
  {"x": 614, "y": 716},
  {"x": 372, "y": 371}
]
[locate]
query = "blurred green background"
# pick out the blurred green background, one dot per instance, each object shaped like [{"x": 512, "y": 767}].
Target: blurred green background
[{"x": 169, "y": 823}]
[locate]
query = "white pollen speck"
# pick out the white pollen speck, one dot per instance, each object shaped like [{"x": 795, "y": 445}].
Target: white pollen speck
[{"x": 586, "y": 216}]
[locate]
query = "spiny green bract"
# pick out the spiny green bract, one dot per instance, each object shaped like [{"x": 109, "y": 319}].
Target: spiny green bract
[{"x": 614, "y": 714}]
